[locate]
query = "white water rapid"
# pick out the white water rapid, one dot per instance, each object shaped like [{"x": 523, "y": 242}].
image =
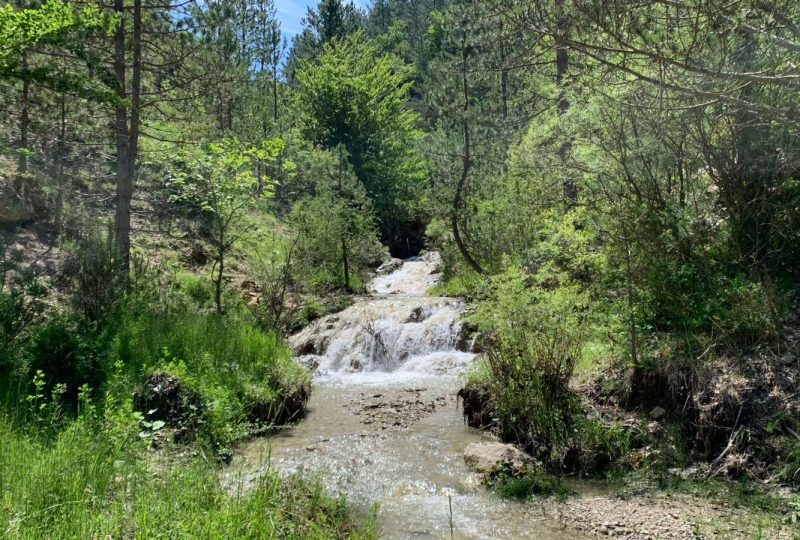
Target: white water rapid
[
  {"x": 383, "y": 424},
  {"x": 397, "y": 331}
]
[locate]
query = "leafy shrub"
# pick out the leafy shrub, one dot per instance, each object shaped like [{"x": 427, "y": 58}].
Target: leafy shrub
[
  {"x": 535, "y": 340},
  {"x": 70, "y": 354},
  {"x": 749, "y": 313}
]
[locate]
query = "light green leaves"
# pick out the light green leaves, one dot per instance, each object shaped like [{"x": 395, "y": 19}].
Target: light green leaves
[{"x": 23, "y": 29}]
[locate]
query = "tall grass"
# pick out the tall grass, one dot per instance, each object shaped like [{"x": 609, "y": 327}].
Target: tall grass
[
  {"x": 99, "y": 481},
  {"x": 234, "y": 365},
  {"x": 219, "y": 350}
]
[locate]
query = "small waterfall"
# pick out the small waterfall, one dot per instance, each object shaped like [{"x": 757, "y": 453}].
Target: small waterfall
[{"x": 396, "y": 330}]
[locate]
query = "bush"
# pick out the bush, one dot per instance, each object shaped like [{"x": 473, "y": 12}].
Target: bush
[
  {"x": 21, "y": 309},
  {"x": 68, "y": 353},
  {"x": 95, "y": 270},
  {"x": 535, "y": 340}
]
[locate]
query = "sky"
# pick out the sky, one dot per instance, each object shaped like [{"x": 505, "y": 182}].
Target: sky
[{"x": 291, "y": 13}]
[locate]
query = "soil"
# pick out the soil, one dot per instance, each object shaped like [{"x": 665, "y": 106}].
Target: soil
[
  {"x": 653, "y": 516},
  {"x": 399, "y": 411}
]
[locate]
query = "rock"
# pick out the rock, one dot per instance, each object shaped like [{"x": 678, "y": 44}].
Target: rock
[
  {"x": 494, "y": 457},
  {"x": 658, "y": 413},
  {"x": 390, "y": 266},
  {"x": 267, "y": 410},
  {"x": 166, "y": 398},
  {"x": 418, "y": 314},
  {"x": 468, "y": 338}
]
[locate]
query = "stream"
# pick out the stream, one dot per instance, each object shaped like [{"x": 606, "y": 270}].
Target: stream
[{"x": 383, "y": 424}]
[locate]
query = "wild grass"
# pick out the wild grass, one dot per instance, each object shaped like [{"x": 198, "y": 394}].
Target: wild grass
[
  {"x": 226, "y": 359},
  {"x": 464, "y": 285},
  {"x": 96, "y": 479}
]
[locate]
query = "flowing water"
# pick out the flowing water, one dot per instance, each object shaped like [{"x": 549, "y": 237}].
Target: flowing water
[{"x": 382, "y": 423}]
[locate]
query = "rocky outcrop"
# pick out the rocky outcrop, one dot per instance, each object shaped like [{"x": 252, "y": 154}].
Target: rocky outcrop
[
  {"x": 389, "y": 266},
  {"x": 167, "y": 399},
  {"x": 494, "y": 457}
]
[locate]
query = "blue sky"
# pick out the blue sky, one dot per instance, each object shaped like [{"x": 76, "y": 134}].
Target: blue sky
[{"x": 291, "y": 13}]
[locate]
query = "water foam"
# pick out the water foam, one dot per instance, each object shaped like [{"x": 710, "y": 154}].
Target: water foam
[{"x": 397, "y": 330}]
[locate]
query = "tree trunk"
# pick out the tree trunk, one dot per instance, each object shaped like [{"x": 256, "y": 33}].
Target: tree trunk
[
  {"x": 275, "y": 93},
  {"x": 127, "y": 127},
  {"x": 123, "y": 181},
  {"x": 24, "y": 125},
  {"x": 345, "y": 260},
  {"x": 220, "y": 275},
  {"x": 562, "y": 65},
  {"x": 466, "y": 160},
  {"x": 634, "y": 342},
  {"x": 58, "y": 211},
  {"x": 504, "y": 92},
  {"x": 346, "y": 265}
]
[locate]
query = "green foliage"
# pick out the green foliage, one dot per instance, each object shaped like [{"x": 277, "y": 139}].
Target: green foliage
[
  {"x": 534, "y": 484},
  {"x": 21, "y": 307},
  {"x": 96, "y": 479},
  {"x": 356, "y": 97},
  {"x": 337, "y": 240},
  {"x": 22, "y": 29},
  {"x": 224, "y": 183},
  {"x": 68, "y": 354},
  {"x": 787, "y": 431},
  {"x": 535, "y": 339},
  {"x": 57, "y": 24}
]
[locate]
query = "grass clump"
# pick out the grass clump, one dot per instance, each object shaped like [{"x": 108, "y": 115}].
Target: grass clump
[
  {"x": 87, "y": 400},
  {"x": 536, "y": 483}
]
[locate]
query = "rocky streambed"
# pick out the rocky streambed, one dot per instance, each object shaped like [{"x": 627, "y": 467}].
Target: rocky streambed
[{"x": 383, "y": 426}]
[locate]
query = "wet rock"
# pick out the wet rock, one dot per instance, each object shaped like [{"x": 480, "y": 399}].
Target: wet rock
[
  {"x": 309, "y": 361},
  {"x": 494, "y": 457},
  {"x": 307, "y": 347},
  {"x": 468, "y": 338},
  {"x": 390, "y": 266},
  {"x": 418, "y": 314}
]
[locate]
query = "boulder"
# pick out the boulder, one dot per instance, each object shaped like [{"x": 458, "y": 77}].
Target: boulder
[
  {"x": 418, "y": 314},
  {"x": 495, "y": 457},
  {"x": 390, "y": 266}
]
